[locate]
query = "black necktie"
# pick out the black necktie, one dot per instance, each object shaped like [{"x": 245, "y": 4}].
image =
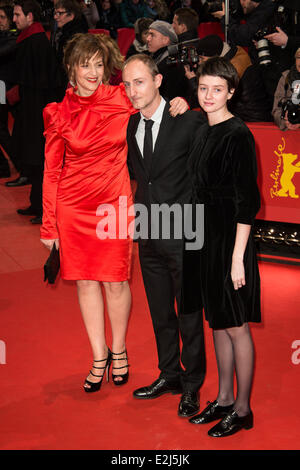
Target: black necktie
[{"x": 148, "y": 143}]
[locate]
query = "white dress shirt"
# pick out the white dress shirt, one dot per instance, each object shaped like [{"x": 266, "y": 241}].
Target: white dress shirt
[{"x": 156, "y": 117}]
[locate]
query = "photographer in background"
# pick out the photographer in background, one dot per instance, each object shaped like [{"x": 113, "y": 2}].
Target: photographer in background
[
  {"x": 174, "y": 83},
  {"x": 286, "y": 106},
  {"x": 289, "y": 39},
  {"x": 267, "y": 23},
  {"x": 185, "y": 24},
  {"x": 250, "y": 101},
  {"x": 257, "y": 14}
]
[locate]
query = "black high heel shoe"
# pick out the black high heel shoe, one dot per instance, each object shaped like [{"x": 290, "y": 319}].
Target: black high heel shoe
[
  {"x": 123, "y": 378},
  {"x": 95, "y": 386}
]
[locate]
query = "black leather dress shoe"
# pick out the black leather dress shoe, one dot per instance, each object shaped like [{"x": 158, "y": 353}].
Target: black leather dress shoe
[
  {"x": 211, "y": 413},
  {"x": 158, "y": 388},
  {"x": 231, "y": 424},
  {"x": 37, "y": 220},
  {"x": 27, "y": 211},
  {"x": 21, "y": 181},
  {"x": 189, "y": 404}
]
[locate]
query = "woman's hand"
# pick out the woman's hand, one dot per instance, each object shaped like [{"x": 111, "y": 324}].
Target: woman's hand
[
  {"x": 178, "y": 106},
  {"x": 238, "y": 273},
  {"x": 49, "y": 243}
]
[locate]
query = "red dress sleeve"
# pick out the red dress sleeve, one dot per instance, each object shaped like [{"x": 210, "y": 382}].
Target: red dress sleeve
[{"x": 54, "y": 155}]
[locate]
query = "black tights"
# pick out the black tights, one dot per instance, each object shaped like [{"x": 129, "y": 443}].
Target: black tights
[{"x": 235, "y": 353}]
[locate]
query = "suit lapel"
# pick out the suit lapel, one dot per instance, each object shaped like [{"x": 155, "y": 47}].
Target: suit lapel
[
  {"x": 132, "y": 135},
  {"x": 134, "y": 148}
]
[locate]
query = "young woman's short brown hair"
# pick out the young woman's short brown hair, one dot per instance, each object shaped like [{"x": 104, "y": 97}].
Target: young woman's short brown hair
[{"x": 219, "y": 67}]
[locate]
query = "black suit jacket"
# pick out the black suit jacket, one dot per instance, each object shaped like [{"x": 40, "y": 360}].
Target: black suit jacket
[{"x": 168, "y": 181}]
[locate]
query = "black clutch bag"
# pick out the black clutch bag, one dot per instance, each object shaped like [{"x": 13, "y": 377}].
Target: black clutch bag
[{"x": 51, "y": 266}]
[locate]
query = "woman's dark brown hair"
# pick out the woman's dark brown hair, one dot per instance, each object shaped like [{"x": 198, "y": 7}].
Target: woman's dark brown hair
[
  {"x": 81, "y": 48},
  {"x": 219, "y": 67}
]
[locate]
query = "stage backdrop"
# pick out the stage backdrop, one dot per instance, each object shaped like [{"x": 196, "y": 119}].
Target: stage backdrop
[{"x": 278, "y": 157}]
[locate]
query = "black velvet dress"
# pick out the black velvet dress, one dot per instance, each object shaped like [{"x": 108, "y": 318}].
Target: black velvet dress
[{"x": 223, "y": 171}]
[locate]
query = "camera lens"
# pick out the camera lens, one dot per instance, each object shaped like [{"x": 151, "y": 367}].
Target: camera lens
[{"x": 263, "y": 52}]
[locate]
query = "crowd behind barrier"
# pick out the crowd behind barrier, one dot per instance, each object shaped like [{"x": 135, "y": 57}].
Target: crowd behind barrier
[
  {"x": 125, "y": 36},
  {"x": 277, "y": 150}
]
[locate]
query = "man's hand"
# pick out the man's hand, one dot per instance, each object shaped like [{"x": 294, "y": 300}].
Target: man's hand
[
  {"x": 219, "y": 14},
  {"x": 292, "y": 127},
  {"x": 49, "y": 243},
  {"x": 178, "y": 106},
  {"x": 188, "y": 72},
  {"x": 279, "y": 38}
]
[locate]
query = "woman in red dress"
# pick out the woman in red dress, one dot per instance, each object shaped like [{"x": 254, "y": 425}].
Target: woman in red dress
[
  {"x": 86, "y": 194},
  {"x": 85, "y": 168}
]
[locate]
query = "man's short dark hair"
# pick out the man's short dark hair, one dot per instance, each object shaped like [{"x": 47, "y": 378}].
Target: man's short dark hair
[
  {"x": 30, "y": 6},
  {"x": 71, "y": 6},
  {"x": 187, "y": 16}
]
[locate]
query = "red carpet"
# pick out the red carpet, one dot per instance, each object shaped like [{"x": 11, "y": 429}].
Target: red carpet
[{"x": 47, "y": 358}]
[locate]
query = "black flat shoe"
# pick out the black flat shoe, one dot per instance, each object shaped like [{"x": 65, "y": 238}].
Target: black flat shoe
[
  {"x": 189, "y": 404},
  {"x": 231, "y": 424},
  {"x": 122, "y": 378},
  {"x": 211, "y": 413},
  {"x": 21, "y": 181},
  {"x": 158, "y": 388},
  {"x": 27, "y": 211},
  {"x": 37, "y": 220},
  {"x": 89, "y": 386}
]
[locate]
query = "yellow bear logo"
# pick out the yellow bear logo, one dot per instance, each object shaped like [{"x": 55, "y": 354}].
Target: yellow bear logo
[{"x": 289, "y": 170}]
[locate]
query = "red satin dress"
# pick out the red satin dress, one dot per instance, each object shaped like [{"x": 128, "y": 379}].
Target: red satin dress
[{"x": 86, "y": 188}]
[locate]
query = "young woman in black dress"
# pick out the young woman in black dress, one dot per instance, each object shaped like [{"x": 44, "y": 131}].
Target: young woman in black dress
[{"x": 223, "y": 170}]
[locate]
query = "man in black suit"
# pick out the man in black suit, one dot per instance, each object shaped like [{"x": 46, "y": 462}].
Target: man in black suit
[{"x": 160, "y": 169}]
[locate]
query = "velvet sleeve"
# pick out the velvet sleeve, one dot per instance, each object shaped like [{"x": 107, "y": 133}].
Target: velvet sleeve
[
  {"x": 54, "y": 155},
  {"x": 244, "y": 176}
]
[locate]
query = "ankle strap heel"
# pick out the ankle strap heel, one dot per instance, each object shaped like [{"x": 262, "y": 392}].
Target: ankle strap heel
[
  {"x": 95, "y": 386},
  {"x": 120, "y": 379}
]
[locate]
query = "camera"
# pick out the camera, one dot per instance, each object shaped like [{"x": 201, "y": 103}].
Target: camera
[
  {"x": 293, "y": 111},
  {"x": 280, "y": 18},
  {"x": 263, "y": 51},
  {"x": 184, "y": 53}
]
